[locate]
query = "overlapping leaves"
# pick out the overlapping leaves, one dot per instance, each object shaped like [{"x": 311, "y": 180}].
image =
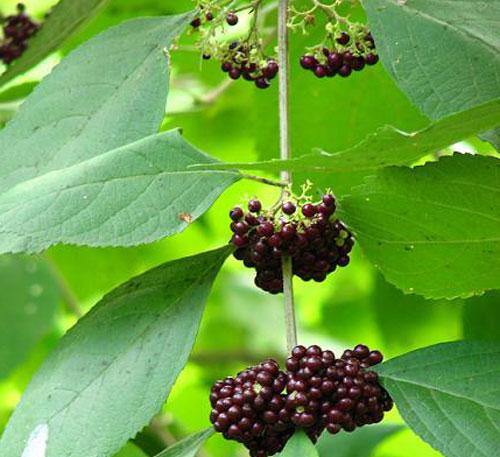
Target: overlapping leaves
[
  {"x": 81, "y": 162},
  {"x": 435, "y": 229},
  {"x": 115, "y": 368}
]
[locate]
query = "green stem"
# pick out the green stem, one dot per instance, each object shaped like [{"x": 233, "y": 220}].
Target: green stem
[
  {"x": 285, "y": 154},
  {"x": 269, "y": 182}
]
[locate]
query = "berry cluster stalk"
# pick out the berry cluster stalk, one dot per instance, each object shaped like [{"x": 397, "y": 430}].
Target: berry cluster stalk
[{"x": 283, "y": 57}]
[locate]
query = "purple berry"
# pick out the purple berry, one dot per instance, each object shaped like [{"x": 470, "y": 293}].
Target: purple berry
[
  {"x": 308, "y": 62},
  {"x": 345, "y": 71},
  {"x": 320, "y": 71},
  {"x": 343, "y": 39},
  {"x": 371, "y": 59},
  {"x": 335, "y": 60},
  {"x": 254, "y": 206},
  {"x": 232, "y": 19},
  {"x": 288, "y": 208},
  {"x": 234, "y": 73},
  {"x": 358, "y": 63},
  {"x": 270, "y": 70},
  {"x": 226, "y": 67},
  {"x": 329, "y": 200},
  {"x": 262, "y": 83},
  {"x": 309, "y": 210},
  {"x": 236, "y": 213}
]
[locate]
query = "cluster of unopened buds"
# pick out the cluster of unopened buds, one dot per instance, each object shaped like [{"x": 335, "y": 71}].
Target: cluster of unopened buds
[
  {"x": 262, "y": 406},
  {"x": 17, "y": 30},
  {"x": 309, "y": 233}
]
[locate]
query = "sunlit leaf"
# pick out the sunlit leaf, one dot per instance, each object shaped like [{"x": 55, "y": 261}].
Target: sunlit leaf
[
  {"x": 80, "y": 111},
  {"x": 128, "y": 196},
  {"x": 389, "y": 146},
  {"x": 112, "y": 372},
  {"x": 449, "y": 395},
  {"x": 433, "y": 230},
  {"x": 80, "y": 157},
  {"x": 444, "y": 55},
  {"x": 130, "y": 450},
  {"x": 65, "y": 19}
]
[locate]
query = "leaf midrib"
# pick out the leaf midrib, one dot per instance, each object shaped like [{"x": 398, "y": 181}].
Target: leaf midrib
[
  {"x": 133, "y": 343},
  {"x": 76, "y": 137}
]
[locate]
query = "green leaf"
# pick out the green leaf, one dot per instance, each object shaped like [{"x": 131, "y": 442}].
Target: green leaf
[
  {"x": 449, "y": 395},
  {"x": 361, "y": 443},
  {"x": 112, "y": 372},
  {"x": 433, "y": 230},
  {"x": 333, "y": 114},
  {"x": 98, "y": 186},
  {"x": 481, "y": 316},
  {"x": 389, "y": 145},
  {"x": 66, "y": 19},
  {"x": 132, "y": 195},
  {"x": 189, "y": 446},
  {"x": 80, "y": 111},
  {"x": 445, "y": 55},
  {"x": 130, "y": 450},
  {"x": 408, "y": 321},
  {"x": 28, "y": 303},
  {"x": 299, "y": 445},
  {"x": 18, "y": 92},
  {"x": 492, "y": 137}
]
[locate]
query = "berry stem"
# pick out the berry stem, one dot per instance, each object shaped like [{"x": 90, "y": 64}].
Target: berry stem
[
  {"x": 68, "y": 296},
  {"x": 269, "y": 182},
  {"x": 290, "y": 321},
  {"x": 285, "y": 153}
]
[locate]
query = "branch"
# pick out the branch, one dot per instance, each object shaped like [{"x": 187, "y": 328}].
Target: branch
[
  {"x": 284, "y": 111},
  {"x": 67, "y": 294}
]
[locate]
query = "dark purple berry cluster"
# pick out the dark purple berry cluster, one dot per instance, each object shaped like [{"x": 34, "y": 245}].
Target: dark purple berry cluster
[
  {"x": 17, "y": 30},
  {"x": 342, "y": 60},
  {"x": 251, "y": 409},
  {"x": 315, "y": 239},
  {"x": 245, "y": 60},
  {"x": 335, "y": 394},
  {"x": 208, "y": 16},
  {"x": 263, "y": 406},
  {"x": 238, "y": 62}
]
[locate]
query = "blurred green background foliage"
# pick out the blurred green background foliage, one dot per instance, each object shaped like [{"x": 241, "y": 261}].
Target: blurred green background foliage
[{"x": 241, "y": 324}]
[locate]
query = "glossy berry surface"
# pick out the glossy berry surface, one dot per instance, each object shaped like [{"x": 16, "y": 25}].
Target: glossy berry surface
[
  {"x": 239, "y": 62},
  {"x": 310, "y": 234},
  {"x": 263, "y": 406},
  {"x": 345, "y": 57},
  {"x": 232, "y": 19},
  {"x": 251, "y": 409},
  {"x": 339, "y": 393}
]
